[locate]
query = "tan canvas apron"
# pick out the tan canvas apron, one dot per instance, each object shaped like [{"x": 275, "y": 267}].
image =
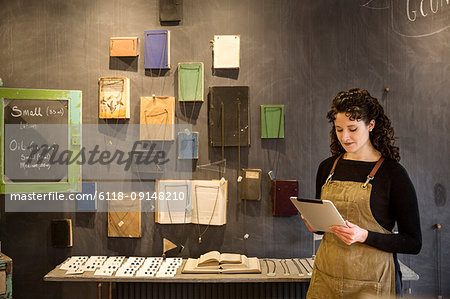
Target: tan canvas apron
[{"x": 351, "y": 271}]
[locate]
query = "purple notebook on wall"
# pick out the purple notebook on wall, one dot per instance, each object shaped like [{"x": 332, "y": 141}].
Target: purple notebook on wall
[{"x": 157, "y": 49}]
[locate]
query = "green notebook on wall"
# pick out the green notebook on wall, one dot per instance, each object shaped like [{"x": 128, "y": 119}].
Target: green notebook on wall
[
  {"x": 272, "y": 121},
  {"x": 190, "y": 81}
]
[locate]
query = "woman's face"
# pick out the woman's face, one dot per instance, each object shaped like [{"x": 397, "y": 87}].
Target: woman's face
[{"x": 353, "y": 134}]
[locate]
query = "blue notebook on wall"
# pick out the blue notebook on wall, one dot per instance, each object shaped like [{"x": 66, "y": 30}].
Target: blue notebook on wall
[
  {"x": 157, "y": 49},
  {"x": 188, "y": 145},
  {"x": 87, "y": 199}
]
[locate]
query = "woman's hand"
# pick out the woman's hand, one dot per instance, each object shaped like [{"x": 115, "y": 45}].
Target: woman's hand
[
  {"x": 350, "y": 234},
  {"x": 307, "y": 225}
]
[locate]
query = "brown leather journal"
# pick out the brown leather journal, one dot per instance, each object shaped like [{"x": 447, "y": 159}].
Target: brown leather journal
[
  {"x": 282, "y": 191},
  {"x": 251, "y": 184},
  {"x": 229, "y": 116}
]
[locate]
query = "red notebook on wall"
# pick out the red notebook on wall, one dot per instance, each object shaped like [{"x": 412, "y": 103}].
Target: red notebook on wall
[{"x": 282, "y": 191}]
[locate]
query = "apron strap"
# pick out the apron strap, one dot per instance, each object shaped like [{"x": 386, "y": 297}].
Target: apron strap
[
  {"x": 369, "y": 177},
  {"x": 373, "y": 172},
  {"x": 332, "y": 169}
]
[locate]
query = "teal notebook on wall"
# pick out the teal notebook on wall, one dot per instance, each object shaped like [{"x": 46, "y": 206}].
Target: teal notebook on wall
[{"x": 188, "y": 145}]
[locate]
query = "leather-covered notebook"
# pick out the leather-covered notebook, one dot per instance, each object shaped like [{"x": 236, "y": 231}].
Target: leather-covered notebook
[
  {"x": 170, "y": 10},
  {"x": 124, "y": 217},
  {"x": 229, "y": 116},
  {"x": 282, "y": 191},
  {"x": 62, "y": 233},
  {"x": 251, "y": 184}
]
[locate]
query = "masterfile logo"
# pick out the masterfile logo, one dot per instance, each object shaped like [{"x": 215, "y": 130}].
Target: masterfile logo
[
  {"x": 47, "y": 153},
  {"x": 94, "y": 156}
]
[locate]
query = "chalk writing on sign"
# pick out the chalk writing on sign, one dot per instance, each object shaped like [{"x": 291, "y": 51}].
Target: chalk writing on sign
[
  {"x": 36, "y": 112},
  {"x": 415, "y": 18},
  {"x": 29, "y": 124}
]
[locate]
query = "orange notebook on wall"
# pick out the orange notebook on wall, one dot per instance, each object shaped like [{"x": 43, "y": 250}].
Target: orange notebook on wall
[{"x": 123, "y": 46}]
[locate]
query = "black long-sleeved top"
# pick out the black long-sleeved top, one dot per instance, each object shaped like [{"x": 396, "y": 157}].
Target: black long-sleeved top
[{"x": 393, "y": 199}]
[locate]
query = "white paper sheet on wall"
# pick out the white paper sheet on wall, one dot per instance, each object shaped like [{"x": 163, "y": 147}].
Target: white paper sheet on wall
[{"x": 226, "y": 51}]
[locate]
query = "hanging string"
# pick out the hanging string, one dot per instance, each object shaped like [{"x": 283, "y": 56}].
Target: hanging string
[
  {"x": 239, "y": 165},
  {"x": 222, "y": 115},
  {"x": 200, "y": 234},
  {"x": 437, "y": 227}
]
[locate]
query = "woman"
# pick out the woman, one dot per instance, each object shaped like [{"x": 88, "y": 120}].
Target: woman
[{"x": 373, "y": 192}]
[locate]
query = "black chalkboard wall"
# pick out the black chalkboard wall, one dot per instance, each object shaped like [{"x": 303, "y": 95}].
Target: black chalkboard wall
[
  {"x": 297, "y": 53},
  {"x": 29, "y": 125}
]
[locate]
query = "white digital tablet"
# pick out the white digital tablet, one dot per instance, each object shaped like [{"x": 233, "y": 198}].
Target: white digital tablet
[{"x": 320, "y": 214}]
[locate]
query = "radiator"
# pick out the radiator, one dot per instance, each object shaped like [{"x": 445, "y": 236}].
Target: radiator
[{"x": 278, "y": 290}]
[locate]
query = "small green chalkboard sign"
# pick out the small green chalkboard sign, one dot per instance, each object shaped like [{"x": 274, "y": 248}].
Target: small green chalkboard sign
[{"x": 38, "y": 126}]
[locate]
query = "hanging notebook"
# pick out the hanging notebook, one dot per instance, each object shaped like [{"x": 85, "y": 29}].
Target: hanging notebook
[
  {"x": 272, "y": 121},
  {"x": 157, "y": 49},
  {"x": 282, "y": 190},
  {"x": 188, "y": 145},
  {"x": 191, "y": 201},
  {"x": 251, "y": 184},
  {"x": 87, "y": 199},
  {"x": 190, "y": 81},
  {"x": 62, "y": 233},
  {"x": 209, "y": 202},
  {"x": 124, "y": 217},
  {"x": 229, "y": 116},
  {"x": 226, "y": 51},
  {"x": 114, "y": 97},
  {"x": 174, "y": 202},
  {"x": 123, "y": 46},
  {"x": 157, "y": 118},
  {"x": 170, "y": 10}
]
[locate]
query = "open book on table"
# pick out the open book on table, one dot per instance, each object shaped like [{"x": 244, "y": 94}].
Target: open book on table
[
  {"x": 214, "y": 258},
  {"x": 215, "y": 262}
]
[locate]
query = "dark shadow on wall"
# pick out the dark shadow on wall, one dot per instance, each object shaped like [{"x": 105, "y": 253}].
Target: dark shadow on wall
[
  {"x": 129, "y": 64},
  {"x": 226, "y": 73}
]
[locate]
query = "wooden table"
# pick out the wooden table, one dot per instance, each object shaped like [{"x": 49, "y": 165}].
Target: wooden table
[{"x": 282, "y": 274}]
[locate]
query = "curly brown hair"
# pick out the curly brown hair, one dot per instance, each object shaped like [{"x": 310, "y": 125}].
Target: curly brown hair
[{"x": 358, "y": 104}]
